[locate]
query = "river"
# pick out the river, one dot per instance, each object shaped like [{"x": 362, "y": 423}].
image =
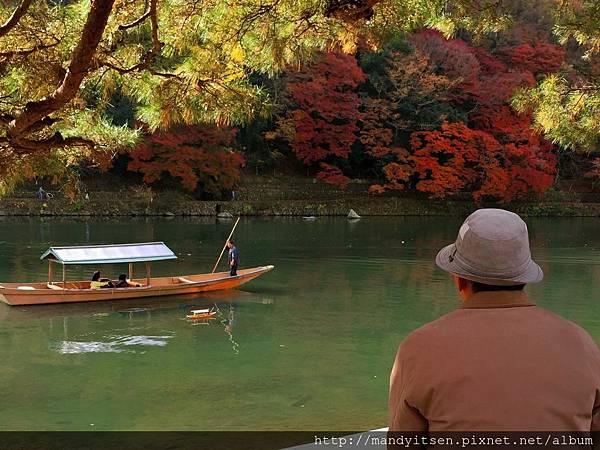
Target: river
[{"x": 307, "y": 346}]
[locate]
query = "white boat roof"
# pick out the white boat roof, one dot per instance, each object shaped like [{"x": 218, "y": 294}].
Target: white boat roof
[{"x": 110, "y": 254}]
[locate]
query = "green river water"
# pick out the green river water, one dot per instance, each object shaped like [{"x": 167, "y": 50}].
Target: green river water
[{"x": 307, "y": 346}]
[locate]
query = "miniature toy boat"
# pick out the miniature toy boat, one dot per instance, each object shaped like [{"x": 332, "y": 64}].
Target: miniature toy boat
[{"x": 197, "y": 314}]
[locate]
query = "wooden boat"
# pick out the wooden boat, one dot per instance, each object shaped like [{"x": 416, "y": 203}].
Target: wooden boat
[
  {"x": 64, "y": 291},
  {"x": 200, "y": 314}
]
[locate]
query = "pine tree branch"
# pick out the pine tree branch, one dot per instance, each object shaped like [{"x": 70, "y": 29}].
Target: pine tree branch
[
  {"x": 57, "y": 140},
  {"x": 81, "y": 59},
  {"x": 28, "y": 51},
  {"x": 137, "y": 21},
  {"x": 150, "y": 54},
  {"x": 15, "y": 17}
]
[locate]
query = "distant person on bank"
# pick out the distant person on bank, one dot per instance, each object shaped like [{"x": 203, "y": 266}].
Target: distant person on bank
[
  {"x": 233, "y": 258},
  {"x": 499, "y": 362}
]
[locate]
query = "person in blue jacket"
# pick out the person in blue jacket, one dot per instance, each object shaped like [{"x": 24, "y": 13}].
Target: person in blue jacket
[{"x": 233, "y": 258}]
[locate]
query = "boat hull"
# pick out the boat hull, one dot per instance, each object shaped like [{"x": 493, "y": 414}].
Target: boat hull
[{"x": 40, "y": 294}]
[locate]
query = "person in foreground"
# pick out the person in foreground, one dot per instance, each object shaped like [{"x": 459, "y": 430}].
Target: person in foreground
[
  {"x": 233, "y": 258},
  {"x": 499, "y": 363}
]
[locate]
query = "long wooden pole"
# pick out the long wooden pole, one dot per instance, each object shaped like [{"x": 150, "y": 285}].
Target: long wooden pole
[{"x": 225, "y": 246}]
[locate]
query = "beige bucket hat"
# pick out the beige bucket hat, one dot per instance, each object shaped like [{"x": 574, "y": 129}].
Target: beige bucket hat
[{"x": 492, "y": 247}]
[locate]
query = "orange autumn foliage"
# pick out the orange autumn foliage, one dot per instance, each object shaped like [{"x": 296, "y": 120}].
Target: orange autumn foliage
[
  {"x": 541, "y": 57},
  {"x": 433, "y": 114},
  {"x": 198, "y": 156},
  {"x": 457, "y": 158},
  {"x": 402, "y": 106},
  {"x": 452, "y": 58},
  {"x": 495, "y": 153},
  {"x": 323, "y": 110},
  {"x": 332, "y": 175}
]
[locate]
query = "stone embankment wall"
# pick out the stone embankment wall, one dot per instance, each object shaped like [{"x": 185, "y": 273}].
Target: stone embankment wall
[{"x": 276, "y": 197}]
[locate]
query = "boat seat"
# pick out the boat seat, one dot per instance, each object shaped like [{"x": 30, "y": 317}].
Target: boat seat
[
  {"x": 26, "y": 288},
  {"x": 53, "y": 286},
  {"x": 184, "y": 280}
]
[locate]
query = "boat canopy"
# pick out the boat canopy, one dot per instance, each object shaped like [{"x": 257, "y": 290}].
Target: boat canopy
[{"x": 110, "y": 254}]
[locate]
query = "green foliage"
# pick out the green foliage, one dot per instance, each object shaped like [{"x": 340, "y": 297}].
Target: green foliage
[
  {"x": 566, "y": 107},
  {"x": 579, "y": 20},
  {"x": 567, "y": 115},
  {"x": 260, "y": 145}
]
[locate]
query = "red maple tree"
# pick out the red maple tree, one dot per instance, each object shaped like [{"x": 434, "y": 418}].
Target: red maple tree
[
  {"x": 457, "y": 158},
  {"x": 541, "y": 57},
  {"x": 452, "y": 58},
  {"x": 497, "y": 154},
  {"x": 323, "y": 110},
  {"x": 196, "y": 155},
  {"x": 332, "y": 175}
]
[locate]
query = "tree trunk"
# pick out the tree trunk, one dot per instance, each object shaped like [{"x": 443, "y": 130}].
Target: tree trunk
[{"x": 78, "y": 68}]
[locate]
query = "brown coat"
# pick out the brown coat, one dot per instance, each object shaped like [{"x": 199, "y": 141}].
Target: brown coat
[{"x": 498, "y": 363}]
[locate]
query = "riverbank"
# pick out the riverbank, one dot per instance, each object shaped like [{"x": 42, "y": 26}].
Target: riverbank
[
  {"x": 389, "y": 206},
  {"x": 272, "y": 196}
]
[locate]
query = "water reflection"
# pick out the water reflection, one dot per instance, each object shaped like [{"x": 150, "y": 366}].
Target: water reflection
[
  {"x": 129, "y": 308},
  {"x": 226, "y": 317},
  {"x": 116, "y": 344},
  {"x": 132, "y": 312},
  {"x": 228, "y": 323}
]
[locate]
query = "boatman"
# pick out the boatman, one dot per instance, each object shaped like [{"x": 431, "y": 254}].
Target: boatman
[
  {"x": 233, "y": 258},
  {"x": 499, "y": 362}
]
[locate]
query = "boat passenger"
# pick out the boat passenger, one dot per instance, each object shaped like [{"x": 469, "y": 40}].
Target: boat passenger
[
  {"x": 233, "y": 258},
  {"x": 124, "y": 282},
  {"x": 99, "y": 283}
]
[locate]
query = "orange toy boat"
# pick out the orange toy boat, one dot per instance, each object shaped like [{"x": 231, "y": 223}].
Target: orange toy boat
[{"x": 198, "y": 314}]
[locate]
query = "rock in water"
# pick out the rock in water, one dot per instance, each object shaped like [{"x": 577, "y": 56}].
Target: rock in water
[
  {"x": 225, "y": 215},
  {"x": 352, "y": 215}
]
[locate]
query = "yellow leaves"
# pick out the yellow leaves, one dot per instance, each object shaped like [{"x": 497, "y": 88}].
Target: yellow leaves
[
  {"x": 166, "y": 115},
  {"x": 233, "y": 76},
  {"x": 287, "y": 128},
  {"x": 237, "y": 54},
  {"x": 348, "y": 41},
  {"x": 234, "y": 64}
]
